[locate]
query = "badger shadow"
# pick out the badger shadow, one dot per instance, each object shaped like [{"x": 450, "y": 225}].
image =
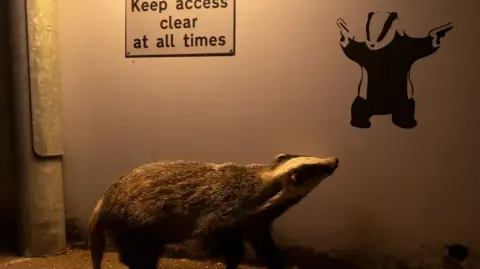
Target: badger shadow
[
  {"x": 305, "y": 258},
  {"x": 76, "y": 233},
  {"x": 301, "y": 257}
]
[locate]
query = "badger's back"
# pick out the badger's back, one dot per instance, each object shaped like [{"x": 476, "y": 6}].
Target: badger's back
[{"x": 194, "y": 194}]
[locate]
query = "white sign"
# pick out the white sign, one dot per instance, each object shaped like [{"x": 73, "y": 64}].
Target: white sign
[{"x": 179, "y": 28}]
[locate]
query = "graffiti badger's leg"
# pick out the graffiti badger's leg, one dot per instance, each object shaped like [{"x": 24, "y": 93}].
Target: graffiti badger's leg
[
  {"x": 360, "y": 113},
  {"x": 404, "y": 114}
]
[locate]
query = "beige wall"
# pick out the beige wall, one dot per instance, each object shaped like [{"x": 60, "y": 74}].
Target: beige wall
[{"x": 288, "y": 89}]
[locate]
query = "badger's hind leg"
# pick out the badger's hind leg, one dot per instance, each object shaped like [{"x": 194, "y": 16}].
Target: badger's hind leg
[
  {"x": 139, "y": 252},
  {"x": 264, "y": 246}
]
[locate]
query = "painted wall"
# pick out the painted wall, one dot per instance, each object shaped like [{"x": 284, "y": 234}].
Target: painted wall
[
  {"x": 288, "y": 89},
  {"x": 7, "y": 182}
]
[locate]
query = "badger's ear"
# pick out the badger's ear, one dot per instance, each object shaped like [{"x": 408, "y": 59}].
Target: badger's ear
[{"x": 281, "y": 157}]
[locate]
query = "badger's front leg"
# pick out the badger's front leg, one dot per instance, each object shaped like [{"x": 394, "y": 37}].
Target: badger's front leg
[
  {"x": 233, "y": 250},
  {"x": 228, "y": 243},
  {"x": 264, "y": 246}
]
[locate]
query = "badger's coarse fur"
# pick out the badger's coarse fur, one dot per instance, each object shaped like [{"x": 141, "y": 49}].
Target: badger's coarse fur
[{"x": 220, "y": 205}]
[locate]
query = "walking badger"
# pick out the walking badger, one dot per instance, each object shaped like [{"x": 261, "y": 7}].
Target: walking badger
[{"x": 220, "y": 205}]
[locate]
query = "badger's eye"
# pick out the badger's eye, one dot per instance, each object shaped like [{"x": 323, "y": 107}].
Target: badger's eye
[
  {"x": 302, "y": 175},
  {"x": 310, "y": 172}
]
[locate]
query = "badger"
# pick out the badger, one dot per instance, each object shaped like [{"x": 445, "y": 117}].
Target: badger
[{"x": 219, "y": 205}]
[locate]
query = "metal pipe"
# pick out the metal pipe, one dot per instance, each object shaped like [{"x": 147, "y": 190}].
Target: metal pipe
[{"x": 42, "y": 216}]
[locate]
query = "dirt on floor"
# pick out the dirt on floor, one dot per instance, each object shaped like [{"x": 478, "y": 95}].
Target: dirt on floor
[{"x": 80, "y": 259}]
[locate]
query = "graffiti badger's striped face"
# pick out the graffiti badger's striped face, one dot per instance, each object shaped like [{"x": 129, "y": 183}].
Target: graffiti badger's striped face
[{"x": 381, "y": 29}]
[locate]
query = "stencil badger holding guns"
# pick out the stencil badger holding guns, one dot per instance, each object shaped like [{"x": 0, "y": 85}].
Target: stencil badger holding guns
[
  {"x": 386, "y": 57},
  {"x": 220, "y": 205}
]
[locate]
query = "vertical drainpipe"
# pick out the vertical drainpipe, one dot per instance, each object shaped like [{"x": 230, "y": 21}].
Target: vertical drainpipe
[{"x": 35, "y": 78}]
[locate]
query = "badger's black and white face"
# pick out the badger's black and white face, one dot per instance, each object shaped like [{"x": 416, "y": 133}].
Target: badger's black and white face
[
  {"x": 302, "y": 170},
  {"x": 381, "y": 29},
  {"x": 299, "y": 175}
]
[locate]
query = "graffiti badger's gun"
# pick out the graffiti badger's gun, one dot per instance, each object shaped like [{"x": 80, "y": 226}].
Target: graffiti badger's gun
[{"x": 440, "y": 32}]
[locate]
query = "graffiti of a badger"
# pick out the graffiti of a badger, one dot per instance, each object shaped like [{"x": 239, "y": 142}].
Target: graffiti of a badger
[{"x": 220, "y": 205}]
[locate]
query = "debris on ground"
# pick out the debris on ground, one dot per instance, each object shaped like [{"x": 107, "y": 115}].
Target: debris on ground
[{"x": 80, "y": 259}]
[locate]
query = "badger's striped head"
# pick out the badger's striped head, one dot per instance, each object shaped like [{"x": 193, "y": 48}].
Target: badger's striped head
[
  {"x": 299, "y": 175},
  {"x": 381, "y": 29}
]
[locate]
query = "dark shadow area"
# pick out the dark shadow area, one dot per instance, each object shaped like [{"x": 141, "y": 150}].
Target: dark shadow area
[
  {"x": 386, "y": 57},
  {"x": 76, "y": 233},
  {"x": 8, "y": 184},
  {"x": 458, "y": 252},
  {"x": 303, "y": 258}
]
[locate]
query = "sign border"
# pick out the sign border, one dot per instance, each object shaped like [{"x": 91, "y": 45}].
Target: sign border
[{"x": 231, "y": 53}]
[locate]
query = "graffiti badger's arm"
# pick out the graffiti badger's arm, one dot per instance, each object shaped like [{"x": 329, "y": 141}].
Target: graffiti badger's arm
[
  {"x": 353, "y": 49},
  {"x": 425, "y": 46}
]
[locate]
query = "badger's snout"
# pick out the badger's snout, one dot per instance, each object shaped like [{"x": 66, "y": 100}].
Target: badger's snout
[{"x": 333, "y": 162}]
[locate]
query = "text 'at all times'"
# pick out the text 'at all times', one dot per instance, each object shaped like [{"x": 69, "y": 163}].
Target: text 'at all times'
[{"x": 188, "y": 40}]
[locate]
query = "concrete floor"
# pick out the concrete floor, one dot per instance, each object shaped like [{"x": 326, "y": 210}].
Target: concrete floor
[{"x": 80, "y": 259}]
